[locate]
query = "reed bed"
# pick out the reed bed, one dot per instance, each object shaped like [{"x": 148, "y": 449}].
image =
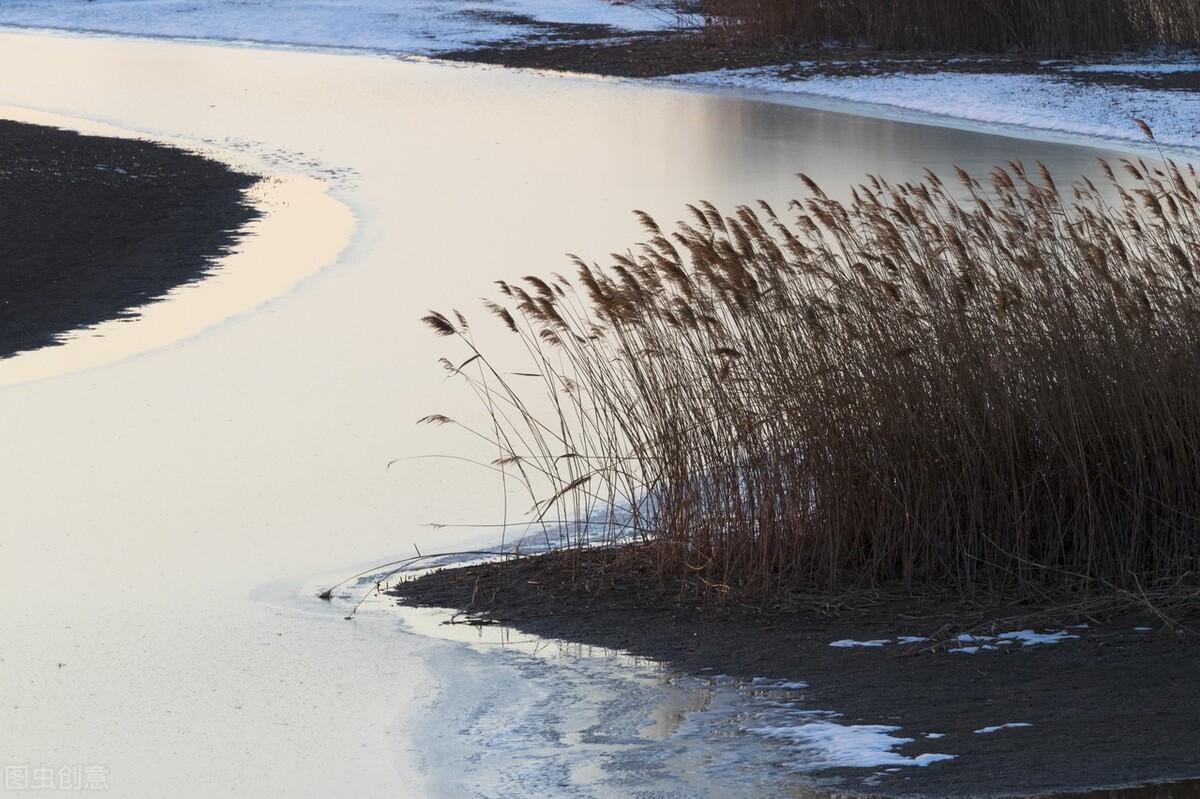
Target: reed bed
[
  {"x": 995, "y": 388},
  {"x": 1048, "y": 27}
]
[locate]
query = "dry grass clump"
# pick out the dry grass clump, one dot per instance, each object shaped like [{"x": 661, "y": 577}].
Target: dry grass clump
[
  {"x": 1054, "y": 27},
  {"x": 997, "y": 393}
]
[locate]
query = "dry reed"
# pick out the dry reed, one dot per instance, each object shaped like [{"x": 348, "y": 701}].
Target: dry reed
[
  {"x": 994, "y": 393},
  {"x": 1053, "y": 27}
]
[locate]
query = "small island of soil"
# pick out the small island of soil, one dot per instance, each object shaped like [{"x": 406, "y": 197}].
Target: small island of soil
[
  {"x": 93, "y": 227},
  {"x": 1117, "y": 706}
]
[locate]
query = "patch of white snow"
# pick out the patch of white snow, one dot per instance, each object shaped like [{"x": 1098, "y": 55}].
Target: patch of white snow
[
  {"x": 827, "y": 744},
  {"x": 1030, "y": 638},
  {"x": 998, "y": 727}
]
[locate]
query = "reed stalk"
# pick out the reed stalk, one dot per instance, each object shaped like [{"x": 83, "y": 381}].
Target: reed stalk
[
  {"x": 994, "y": 388},
  {"x": 1046, "y": 27}
]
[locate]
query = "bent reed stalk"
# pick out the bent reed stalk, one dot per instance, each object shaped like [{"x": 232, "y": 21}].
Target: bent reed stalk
[
  {"x": 1000, "y": 393},
  {"x": 1048, "y": 27}
]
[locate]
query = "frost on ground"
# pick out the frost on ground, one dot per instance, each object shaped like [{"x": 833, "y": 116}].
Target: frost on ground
[
  {"x": 420, "y": 27},
  {"x": 998, "y": 727},
  {"x": 1049, "y": 102}
]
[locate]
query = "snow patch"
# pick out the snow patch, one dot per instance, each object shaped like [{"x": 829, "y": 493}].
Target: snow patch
[
  {"x": 970, "y": 643},
  {"x": 975, "y": 643},
  {"x": 998, "y": 727},
  {"x": 777, "y": 685},
  {"x": 1030, "y": 638},
  {"x": 827, "y": 744},
  {"x": 983, "y": 643},
  {"x": 421, "y": 27}
]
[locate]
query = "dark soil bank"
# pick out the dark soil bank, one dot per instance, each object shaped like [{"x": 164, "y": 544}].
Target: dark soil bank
[
  {"x": 679, "y": 53},
  {"x": 1116, "y": 707},
  {"x": 92, "y": 227}
]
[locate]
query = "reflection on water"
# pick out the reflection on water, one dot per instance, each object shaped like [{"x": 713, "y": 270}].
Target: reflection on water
[{"x": 147, "y": 501}]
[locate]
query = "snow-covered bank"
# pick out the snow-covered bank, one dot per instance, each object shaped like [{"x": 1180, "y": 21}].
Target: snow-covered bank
[
  {"x": 421, "y": 27},
  {"x": 1078, "y": 100},
  {"x": 1046, "y": 102}
]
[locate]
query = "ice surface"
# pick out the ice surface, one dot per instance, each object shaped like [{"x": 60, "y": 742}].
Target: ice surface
[
  {"x": 1053, "y": 102},
  {"x": 1043, "y": 102},
  {"x": 552, "y": 719},
  {"x": 1138, "y": 68},
  {"x": 406, "y": 26},
  {"x": 781, "y": 685},
  {"x": 848, "y": 643}
]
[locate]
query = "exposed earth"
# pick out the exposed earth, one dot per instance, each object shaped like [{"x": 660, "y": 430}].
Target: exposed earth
[
  {"x": 93, "y": 227},
  {"x": 596, "y": 50}
]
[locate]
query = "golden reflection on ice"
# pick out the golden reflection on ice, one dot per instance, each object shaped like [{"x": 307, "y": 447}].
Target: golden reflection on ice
[{"x": 301, "y": 230}]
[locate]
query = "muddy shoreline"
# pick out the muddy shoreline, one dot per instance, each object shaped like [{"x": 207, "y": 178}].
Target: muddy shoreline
[
  {"x": 1113, "y": 708},
  {"x": 679, "y": 53},
  {"x": 94, "y": 227}
]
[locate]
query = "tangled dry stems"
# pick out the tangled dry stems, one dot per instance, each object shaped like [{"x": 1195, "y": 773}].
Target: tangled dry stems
[
  {"x": 1051, "y": 27},
  {"x": 998, "y": 391}
]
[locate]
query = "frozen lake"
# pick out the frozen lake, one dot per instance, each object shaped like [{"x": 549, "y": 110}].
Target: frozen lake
[{"x": 168, "y": 517}]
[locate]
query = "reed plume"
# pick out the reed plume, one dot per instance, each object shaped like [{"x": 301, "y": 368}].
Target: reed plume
[{"x": 991, "y": 388}]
